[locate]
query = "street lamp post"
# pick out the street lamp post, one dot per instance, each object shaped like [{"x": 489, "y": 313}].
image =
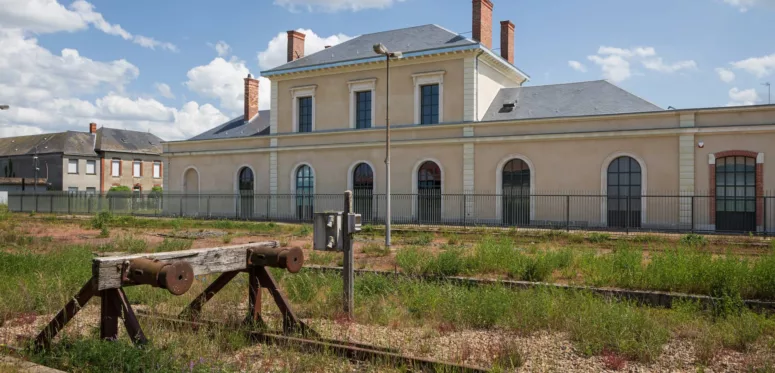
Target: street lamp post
[{"x": 382, "y": 50}]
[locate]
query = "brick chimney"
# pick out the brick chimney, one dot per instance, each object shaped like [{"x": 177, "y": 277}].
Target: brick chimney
[
  {"x": 251, "y": 97},
  {"x": 92, "y": 127},
  {"x": 482, "y": 22},
  {"x": 507, "y": 41},
  {"x": 295, "y": 45}
]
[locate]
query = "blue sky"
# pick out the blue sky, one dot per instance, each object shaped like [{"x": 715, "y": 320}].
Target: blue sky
[{"x": 154, "y": 65}]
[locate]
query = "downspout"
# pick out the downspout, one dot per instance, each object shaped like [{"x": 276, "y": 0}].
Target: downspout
[{"x": 476, "y": 89}]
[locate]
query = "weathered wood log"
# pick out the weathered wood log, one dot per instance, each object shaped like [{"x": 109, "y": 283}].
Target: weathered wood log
[{"x": 108, "y": 270}]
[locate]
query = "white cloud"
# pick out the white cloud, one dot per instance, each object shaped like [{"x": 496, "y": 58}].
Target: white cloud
[
  {"x": 744, "y": 97},
  {"x": 48, "y": 16},
  {"x": 276, "y": 52},
  {"x": 616, "y": 63},
  {"x": 726, "y": 75},
  {"x": 657, "y": 64},
  {"x": 334, "y": 5},
  {"x": 164, "y": 90},
  {"x": 759, "y": 66},
  {"x": 220, "y": 79},
  {"x": 16, "y": 130},
  {"x": 222, "y": 48},
  {"x": 578, "y": 66},
  {"x": 745, "y": 5}
]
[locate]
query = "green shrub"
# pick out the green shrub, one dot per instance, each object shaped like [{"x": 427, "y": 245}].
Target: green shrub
[
  {"x": 413, "y": 260},
  {"x": 448, "y": 263},
  {"x": 128, "y": 243},
  {"x": 174, "y": 244},
  {"x": 375, "y": 249},
  {"x": 596, "y": 237},
  {"x": 101, "y": 220},
  {"x": 304, "y": 231},
  {"x": 419, "y": 239},
  {"x": 693, "y": 240}
]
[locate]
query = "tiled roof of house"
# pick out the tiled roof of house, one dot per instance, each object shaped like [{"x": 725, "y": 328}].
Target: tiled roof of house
[
  {"x": 70, "y": 143},
  {"x": 411, "y": 39},
  {"x": 237, "y": 127},
  {"x": 126, "y": 141},
  {"x": 565, "y": 100}
]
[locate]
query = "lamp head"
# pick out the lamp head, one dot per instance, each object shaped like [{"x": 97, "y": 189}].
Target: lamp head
[
  {"x": 380, "y": 49},
  {"x": 396, "y": 54}
]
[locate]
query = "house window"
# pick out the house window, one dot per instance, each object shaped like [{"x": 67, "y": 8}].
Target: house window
[
  {"x": 137, "y": 168},
  {"x": 157, "y": 170},
  {"x": 516, "y": 193},
  {"x": 363, "y": 190},
  {"x": 115, "y": 167},
  {"x": 72, "y": 190},
  {"x": 72, "y": 166},
  {"x": 303, "y": 99},
  {"x": 429, "y": 97},
  {"x": 305, "y": 114},
  {"x": 736, "y": 194},
  {"x": 429, "y": 104},
  {"x": 91, "y": 191},
  {"x": 624, "y": 193},
  {"x": 363, "y": 109},
  {"x": 429, "y": 192},
  {"x": 91, "y": 167},
  {"x": 305, "y": 192}
]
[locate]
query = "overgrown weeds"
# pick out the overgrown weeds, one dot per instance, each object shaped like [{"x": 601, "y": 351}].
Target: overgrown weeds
[{"x": 375, "y": 249}]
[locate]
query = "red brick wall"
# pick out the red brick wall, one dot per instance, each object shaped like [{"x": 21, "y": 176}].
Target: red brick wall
[
  {"x": 251, "y": 98},
  {"x": 507, "y": 41},
  {"x": 759, "y": 183},
  {"x": 482, "y": 22},
  {"x": 295, "y": 45}
]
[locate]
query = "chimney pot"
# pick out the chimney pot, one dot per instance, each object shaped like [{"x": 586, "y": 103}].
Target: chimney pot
[
  {"x": 251, "y": 97},
  {"x": 92, "y": 127},
  {"x": 482, "y": 22},
  {"x": 507, "y": 41},
  {"x": 295, "y": 45}
]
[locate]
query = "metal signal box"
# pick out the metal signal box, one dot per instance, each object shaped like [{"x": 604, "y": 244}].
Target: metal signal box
[{"x": 327, "y": 231}]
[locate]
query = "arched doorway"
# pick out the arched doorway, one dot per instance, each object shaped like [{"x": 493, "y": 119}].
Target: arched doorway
[
  {"x": 246, "y": 183},
  {"x": 625, "y": 181},
  {"x": 305, "y": 192},
  {"x": 516, "y": 193},
  {"x": 736, "y": 194},
  {"x": 363, "y": 190},
  {"x": 429, "y": 192},
  {"x": 190, "y": 201}
]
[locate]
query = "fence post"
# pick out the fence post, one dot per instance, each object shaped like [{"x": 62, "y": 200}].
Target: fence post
[
  {"x": 692, "y": 214},
  {"x": 764, "y": 211},
  {"x": 180, "y": 204},
  {"x": 69, "y": 211},
  {"x": 208, "y": 206},
  {"x": 627, "y": 217},
  {"x": 36, "y": 203},
  {"x": 465, "y": 213},
  {"x": 567, "y": 213}
]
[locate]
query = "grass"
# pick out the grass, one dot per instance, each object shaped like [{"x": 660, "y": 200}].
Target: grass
[{"x": 375, "y": 249}]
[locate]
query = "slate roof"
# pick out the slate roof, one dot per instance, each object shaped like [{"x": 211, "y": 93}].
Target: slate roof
[
  {"x": 411, "y": 39},
  {"x": 70, "y": 143},
  {"x": 237, "y": 127},
  {"x": 565, "y": 100},
  {"x": 126, "y": 141},
  {"x": 82, "y": 143}
]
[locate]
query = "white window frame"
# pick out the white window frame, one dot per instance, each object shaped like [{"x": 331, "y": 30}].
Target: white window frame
[
  {"x": 296, "y": 94},
  {"x": 427, "y": 78},
  {"x": 362, "y": 85},
  {"x": 113, "y": 164},
  {"x": 94, "y": 166},
  {"x": 139, "y": 168},
  {"x": 71, "y": 162},
  {"x": 157, "y": 167}
]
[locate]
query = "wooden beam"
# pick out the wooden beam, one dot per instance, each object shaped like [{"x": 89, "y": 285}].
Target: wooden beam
[{"x": 108, "y": 270}]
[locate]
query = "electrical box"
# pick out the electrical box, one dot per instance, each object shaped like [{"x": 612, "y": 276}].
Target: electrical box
[
  {"x": 327, "y": 231},
  {"x": 354, "y": 223}
]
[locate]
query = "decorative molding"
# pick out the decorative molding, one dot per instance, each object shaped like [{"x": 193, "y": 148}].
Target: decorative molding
[
  {"x": 499, "y": 185},
  {"x": 686, "y": 119},
  {"x": 301, "y": 92},
  {"x": 350, "y": 171},
  {"x": 274, "y": 108},
  {"x": 604, "y": 185},
  {"x": 362, "y": 85},
  {"x": 469, "y": 89},
  {"x": 295, "y": 169},
  {"x": 686, "y": 182},
  {"x": 183, "y": 179},
  {"x": 236, "y": 178},
  {"x": 427, "y": 78},
  {"x": 273, "y": 181}
]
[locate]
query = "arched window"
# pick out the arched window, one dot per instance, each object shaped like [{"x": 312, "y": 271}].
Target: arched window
[
  {"x": 429, "y": 192},
  {"x": 305, "y": 192},
  {"x": 246, "y": 190},
  {"x": 363, "y": 190},
  {"x": 516, "y": 193},
  {"x": 625, "y": 180},
  {"x": 736, "y": 194},
  {"x": 190, "y": 201}
]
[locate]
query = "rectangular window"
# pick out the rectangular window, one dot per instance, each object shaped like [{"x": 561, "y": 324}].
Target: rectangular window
[
  {"x": 305, "y": 114},
  {"x": 72, "y": 166},
  {"x": 157, "y": 170},
  {"x": 91, "y": 191},
  {"x": 91, "y": 167},
  {"x": 429, "y": 104},
  {"x": 363, "y": 109},
  {"x": 137, "y": 168},
  {"x": 115, "y": 167},
  {"x": 72, "y": 190}
]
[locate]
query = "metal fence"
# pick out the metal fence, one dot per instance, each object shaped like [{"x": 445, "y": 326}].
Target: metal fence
[{"x": 654, "y": 213}]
